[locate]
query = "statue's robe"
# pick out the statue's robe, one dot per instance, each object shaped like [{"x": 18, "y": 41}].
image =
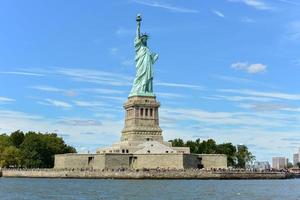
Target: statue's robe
[{"x": 144, "y": 60}]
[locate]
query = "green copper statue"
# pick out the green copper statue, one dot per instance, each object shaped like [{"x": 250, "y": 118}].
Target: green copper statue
[{"x": 144, "y": 59}]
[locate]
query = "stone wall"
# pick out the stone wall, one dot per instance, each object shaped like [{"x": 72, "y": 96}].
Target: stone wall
[
  {"x": 79, "y": 161},
  {"x": 191, "y": 161},
  {"x": 139, "y": 161},
  {"x": 171, "y": 174},
  {"x": 117, "y": 161},
  {"x": 214, "y": 160},
  {"x": 152, "y": 161}
]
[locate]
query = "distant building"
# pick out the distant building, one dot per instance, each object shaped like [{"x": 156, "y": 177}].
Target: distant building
[
  {"x": 261, "y": 166},
  {"x": 279, "y": 163},
  {"x": 295, "y": 159}
]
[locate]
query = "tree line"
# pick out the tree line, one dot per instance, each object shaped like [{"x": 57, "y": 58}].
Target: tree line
[
  {"x": 236, "y": 156},
  {"x": 31, "y": 150}
]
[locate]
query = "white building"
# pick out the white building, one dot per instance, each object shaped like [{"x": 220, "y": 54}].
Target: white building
[
  {"x": 296, "y": 159},
  {"x": 261, "y": 166},
  {"x": 279, "y": 163}
]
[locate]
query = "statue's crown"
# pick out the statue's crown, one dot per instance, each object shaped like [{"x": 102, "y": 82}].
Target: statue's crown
[{"x": 145, "y": 35}]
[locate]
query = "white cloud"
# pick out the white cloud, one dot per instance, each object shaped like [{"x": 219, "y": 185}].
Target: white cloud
[
  {"x": 276, "y": 95},
  {"x": 243, "y": 98},
  {"x": 47, "y": 88},
  {"x": 168, "y": 95},
  {"x": 256, "y": 68},
  {"x": 240, "y": 65},
  {"x": 232, "y": 120},
  {"x": 263, "y": 107},
  {"x": 257, "y": 4},
  {"x": 94, "y": 76},
  {"x": 165, "y": 6},
  {"x": 56, "y": 103},
  {"x": 79, "y": 122},
  {"x": 127, "y": 62},
  {"x": 102, "y": 91},
  {"x": 6, "y": 100},
  {"x": 290, "y": 2},
  {"x": 179, "y": 85},
  {"x": 69, "y": 93},
  {"x": 247, "y": 20},
  {"x": 245, "y": 81},
  {"x": 250, "y": 68},
  {"x": 70, "y": 128},
  {"x": 113, "y": 50},
  {"x": 218, "y": 13},
  {"x": 22, "y": 73},
  {"x": 89, "y": 103}
]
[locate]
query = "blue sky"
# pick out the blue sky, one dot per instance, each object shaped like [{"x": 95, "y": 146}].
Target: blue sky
[{"x": 228, "y": 69}]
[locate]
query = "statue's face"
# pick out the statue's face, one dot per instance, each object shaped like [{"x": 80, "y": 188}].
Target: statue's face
[{"x": 144, "y": 40}]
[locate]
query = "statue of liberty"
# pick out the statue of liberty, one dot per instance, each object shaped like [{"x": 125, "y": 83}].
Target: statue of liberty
[{"x": 144, "y": 59}]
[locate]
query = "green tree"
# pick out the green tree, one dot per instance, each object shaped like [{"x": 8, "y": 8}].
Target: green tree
[
  {"x": 17, "y": 138},
  {"x": 298, "y": 164},
  {"x": 193, "y": 146},
  {"x": 34, "y": 151},
  {"x": 237, "y": 157},
  {"x": 177, "y": 142},
  {"x": 207, "y": 147},
  {"x": 243, "y": 156},
  {"x": 55, "y": 145},
  {"x": 4, "y": 143},
  {"x": 230, "y": 151},
  {"x": 38, "y": 150},
  {"x": 10, "y": 157}
]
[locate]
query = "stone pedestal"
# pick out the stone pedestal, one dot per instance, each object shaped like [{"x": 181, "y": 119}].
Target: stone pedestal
[{"x": 141, "y": 120}]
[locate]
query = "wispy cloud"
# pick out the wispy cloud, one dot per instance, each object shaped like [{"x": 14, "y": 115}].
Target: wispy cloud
[
  {"x": 66, "y": 92},
  {"x": 266, "y": 107},
  {"x": 257, "y": 4},
  {"x": 56, "y": 103},
  {"x": 102, "y": 91},
  {"x": 89, "y": 103},
  {"x": 242, "y": 98},
  {"x": 243, "y": 81},
  {"x": 250, "y": 68},
  {"x": 179, "y": 85},
  {"x": 290, "y": 2},
  {"x": 69, "y": 127},
  {"x": 127, "y": 62},
  {"x": 6, "y": 100},
  {"x": 247, "y": 20},
  {"x": 47, "y": 88},
  {"x": 168, "y": 95},
  {"x": 21, "y": 73},
  {"x": 276, "y": 95},
  {"x": 166, "y": 6},
  {"x": 95, "y": 76},
  {"x": 113, "y": 50},
  {"x": 218, "y": 13},
  {"x": 80, "y": 122}
]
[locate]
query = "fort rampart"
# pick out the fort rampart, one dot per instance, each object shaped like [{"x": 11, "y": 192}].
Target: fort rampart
[{"x": 142, "y": 174}]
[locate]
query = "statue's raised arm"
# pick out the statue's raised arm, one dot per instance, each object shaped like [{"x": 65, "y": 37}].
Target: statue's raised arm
[{"x": 138, "y": 29}]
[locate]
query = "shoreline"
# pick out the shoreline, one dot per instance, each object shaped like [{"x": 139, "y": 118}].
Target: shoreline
[{"x": 149, "y": 174}]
